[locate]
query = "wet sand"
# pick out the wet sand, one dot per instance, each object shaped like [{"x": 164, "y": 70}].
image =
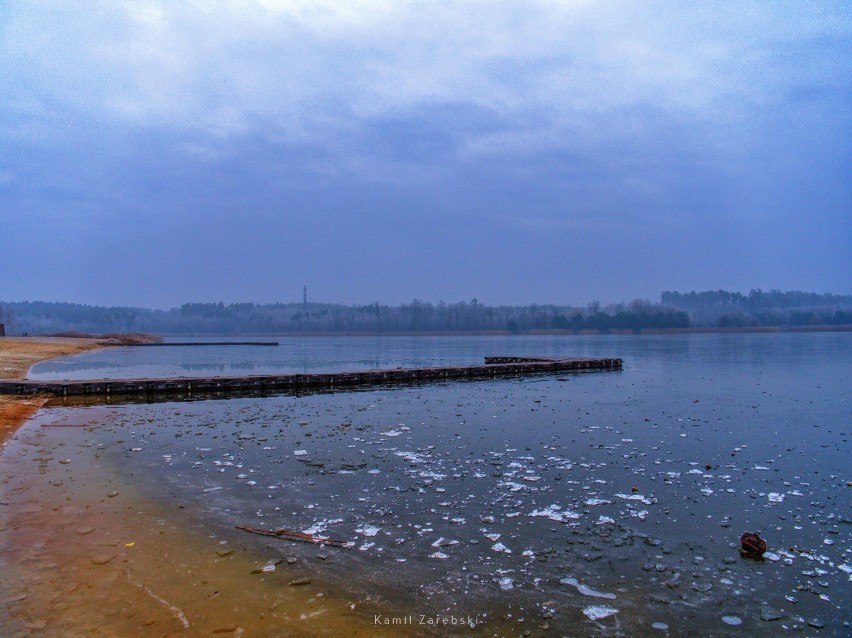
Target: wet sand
[{"x": 83, "y": 554}]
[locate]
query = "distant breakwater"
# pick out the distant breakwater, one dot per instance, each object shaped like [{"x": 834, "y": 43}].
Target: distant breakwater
[
  {"x": 195, "y": 387},
  {"x": 169, "y": 344}
]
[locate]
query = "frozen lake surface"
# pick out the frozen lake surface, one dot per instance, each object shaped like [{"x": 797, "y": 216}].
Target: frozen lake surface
[{"x": 594, "y": 504}]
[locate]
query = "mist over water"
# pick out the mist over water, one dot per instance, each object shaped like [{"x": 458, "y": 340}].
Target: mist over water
[{"x": 597, "y": 503}]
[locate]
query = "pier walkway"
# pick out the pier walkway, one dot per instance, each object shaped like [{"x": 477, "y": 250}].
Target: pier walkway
[{"x": 493, "y": 367}]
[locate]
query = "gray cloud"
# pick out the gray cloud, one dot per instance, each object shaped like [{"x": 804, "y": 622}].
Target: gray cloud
[{"x": 156, "y": 152}]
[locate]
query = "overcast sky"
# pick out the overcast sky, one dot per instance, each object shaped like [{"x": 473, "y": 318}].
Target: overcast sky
[{"x": 153, "y": 153}]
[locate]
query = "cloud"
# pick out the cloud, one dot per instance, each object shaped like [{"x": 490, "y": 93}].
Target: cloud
[
  {"x": 313, "y": 68},
  {"x": 625, "y": 128}
]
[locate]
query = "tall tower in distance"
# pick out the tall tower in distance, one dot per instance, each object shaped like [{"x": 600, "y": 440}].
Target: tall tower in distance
[{"x": 305, "y": 298}]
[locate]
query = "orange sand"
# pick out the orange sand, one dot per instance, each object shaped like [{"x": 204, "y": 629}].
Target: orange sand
[{"x": 17, "y": 356}]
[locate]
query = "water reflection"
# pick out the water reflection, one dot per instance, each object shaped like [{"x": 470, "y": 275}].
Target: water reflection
[{"x": 334, "y": 354}]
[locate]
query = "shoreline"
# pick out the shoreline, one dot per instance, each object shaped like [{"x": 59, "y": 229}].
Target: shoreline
[
  {"x": 525, "y": 333},
  {"x": 100, "y": 557},
  {"x": 81, "y": 552},
  {"x": 17, "y": 356}
]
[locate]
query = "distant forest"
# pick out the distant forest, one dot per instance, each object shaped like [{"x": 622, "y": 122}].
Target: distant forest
[
  {"x": 676, "y": 310},
  {"x": 724, "y": 309}
]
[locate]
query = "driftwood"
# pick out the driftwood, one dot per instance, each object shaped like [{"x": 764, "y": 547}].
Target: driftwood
[{"x": 296, "y": 536}]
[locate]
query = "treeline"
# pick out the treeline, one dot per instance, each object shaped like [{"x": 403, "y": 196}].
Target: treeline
[
  {"x": 40, "y": 317},
  {"x": 725, "y": 309},
  {"x": 677, "y": 310}
]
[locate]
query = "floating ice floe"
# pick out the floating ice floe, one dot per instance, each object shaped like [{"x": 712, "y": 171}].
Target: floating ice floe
[
  {"x": 775, "y": 497},
  {"x": 320, "y": 526},
  {"x": 515, "y": 487},
  {"x": 443, "y": 542},
  {"x": 585, "y": 589},
  {"x": 553, "y": 513},
  {"x": 605, "y": 520},
  {"x": 500, "y": 547},
  {"x": 592, "y": 502},
  {"x": 391, "y": 433},
  {"x": 637, "y": 497},
  {"x": 439, "y": 555},
  {"x": 597, "y": 612},
  {"x": 368, "y": 530},
  {"x": 506, "y": 583},
  {"x": 300, "y": 452},
  {"x": 432, "y": 475},
  {"x": 493, "y": 537}
]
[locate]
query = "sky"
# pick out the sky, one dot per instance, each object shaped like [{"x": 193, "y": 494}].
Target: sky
[{"x": 155, "y": 153}]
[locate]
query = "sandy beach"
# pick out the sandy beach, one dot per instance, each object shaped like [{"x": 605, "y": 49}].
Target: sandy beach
[{"x": 17, "y": 356}]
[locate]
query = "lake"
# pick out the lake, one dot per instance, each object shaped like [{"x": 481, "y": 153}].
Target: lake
[{"x": 589, "y": 504}]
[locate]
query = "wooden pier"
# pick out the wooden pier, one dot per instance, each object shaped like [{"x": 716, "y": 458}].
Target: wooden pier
[{"x": 200, "y": 387}]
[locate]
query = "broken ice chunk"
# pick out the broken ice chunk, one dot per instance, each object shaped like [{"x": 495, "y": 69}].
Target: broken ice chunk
[
  {"x": 506, "y": 583},
  {"x": 552, "y": 512},
  {"x": 585, "y": 589},
  {"x": 637, "y": 497},
  {"x": 443, "y": 542},
  {"x": 597, "y": 612}
]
